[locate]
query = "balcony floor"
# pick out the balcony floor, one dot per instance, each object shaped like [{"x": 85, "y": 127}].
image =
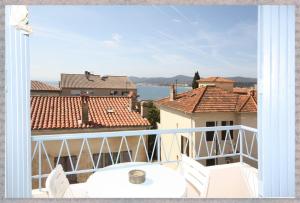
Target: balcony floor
[{"x": 236, "y": 180}]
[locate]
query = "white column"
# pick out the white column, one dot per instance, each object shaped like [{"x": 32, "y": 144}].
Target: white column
[
  {"x": 276, "y": 98},
  {"x": 17, "y": 105}
]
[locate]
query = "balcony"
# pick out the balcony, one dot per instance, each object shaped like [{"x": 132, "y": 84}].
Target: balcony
[{"x": 228, "y": 153}]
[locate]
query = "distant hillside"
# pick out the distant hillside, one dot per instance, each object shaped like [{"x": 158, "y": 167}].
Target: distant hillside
[{"x": 182, "y": 79}]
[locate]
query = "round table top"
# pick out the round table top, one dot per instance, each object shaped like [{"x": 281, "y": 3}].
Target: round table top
[{"x": 113, "y": 182}]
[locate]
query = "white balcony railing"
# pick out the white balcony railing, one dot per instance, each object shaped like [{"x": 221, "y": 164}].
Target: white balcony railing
[{"x": 238, "y": 142}]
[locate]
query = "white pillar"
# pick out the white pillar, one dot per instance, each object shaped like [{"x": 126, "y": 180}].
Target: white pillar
[
  {"x": 276, "y": 98},
  {"x": 17, "y": 104}
]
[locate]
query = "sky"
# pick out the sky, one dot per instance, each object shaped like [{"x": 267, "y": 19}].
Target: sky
[{"x": 143, "y": 41}]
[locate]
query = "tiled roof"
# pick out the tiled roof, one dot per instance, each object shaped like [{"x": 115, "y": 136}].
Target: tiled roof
[
  {"x": 95, "y": 81},
  {"x": 61, "y": 112},
  {"x": 210, "y": 99},
  {"x": 246, "y": 103},
  {"x": 241, "y": 90},
  {"x": 215, "y": 79},
  {"x": 41, "y": 86}
]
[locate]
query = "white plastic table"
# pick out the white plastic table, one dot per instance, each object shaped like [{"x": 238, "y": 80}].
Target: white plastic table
[{"x": 113, "y": 182}]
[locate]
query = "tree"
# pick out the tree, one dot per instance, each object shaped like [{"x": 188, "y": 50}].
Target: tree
[
  {"x": 153, "y": 117},
  {"x": 195, "y": 83}
]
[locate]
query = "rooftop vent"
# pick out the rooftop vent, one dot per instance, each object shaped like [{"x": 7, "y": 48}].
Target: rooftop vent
[
  {"x": 110, "y": 110},
  {"x": 87, "y": 75},
  {"x": 104, "y": 77}
]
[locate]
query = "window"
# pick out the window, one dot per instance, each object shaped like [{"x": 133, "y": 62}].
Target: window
[
  {"x": 75, "y": 92},
  {"x": 226, "y": 123},
  {"x": 66, "y": 164},
  {"x": 125, "y": 93},
  {"x": 210, "y": 134},
  {"x": 105, "y": 159},
  {"x": 113, "y": 92},
  {"x": 185, "y": 145},
  {"x": 210, "y": 162},
  {"x": 79, "y": 92}
]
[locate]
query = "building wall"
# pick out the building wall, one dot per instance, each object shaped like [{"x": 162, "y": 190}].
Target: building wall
[
  {"x": 97, "y": 92},
  {"x": 171, "y": 119},
  {"x": 44, "y": 93},
  {"x": 85, "y": 162},
  {"x": 250, "y": 120},
  {"x": 200, "y": 121}
]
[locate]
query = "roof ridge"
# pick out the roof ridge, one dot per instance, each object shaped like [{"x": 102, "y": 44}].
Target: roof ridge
[
  {"x": 242, "y": 106},
  {"x": 254, "y": 101},
  {"x": 199, "y": 99},
  {"x": 68, "y": 96}
]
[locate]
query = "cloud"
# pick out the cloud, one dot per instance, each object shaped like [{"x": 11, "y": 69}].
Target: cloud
[
  {"x": 181, "y": 14},
  {"x": 114, "y": 42},
  {"x": 62, "y": 35},
  {"x": 175, "y": 20}
]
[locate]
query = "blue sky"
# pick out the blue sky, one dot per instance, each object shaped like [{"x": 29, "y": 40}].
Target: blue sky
[{"x": 146, "y": 41}]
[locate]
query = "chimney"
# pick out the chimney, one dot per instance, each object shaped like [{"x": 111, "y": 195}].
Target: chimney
[
  {"x": 172, "y": 92},
  {"x": 87, "y": 74},
  {"x": 143, "y": 109},
  {"x": 251, "y": 92},
  {"x": 132, "y": 100},
  {"x": 85, "y": 108}
]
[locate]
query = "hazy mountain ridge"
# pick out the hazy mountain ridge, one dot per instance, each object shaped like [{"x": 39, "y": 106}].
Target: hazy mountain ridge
[{"x": 182, "y": 79}]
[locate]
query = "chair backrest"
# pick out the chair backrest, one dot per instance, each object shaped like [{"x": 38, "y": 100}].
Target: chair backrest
[
  {"x": 57, "y": 182},
  {"x": 196, "y": 174}
]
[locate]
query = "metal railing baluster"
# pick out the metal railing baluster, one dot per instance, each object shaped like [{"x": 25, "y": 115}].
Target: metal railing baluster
[{"x": 160, "y": 144}]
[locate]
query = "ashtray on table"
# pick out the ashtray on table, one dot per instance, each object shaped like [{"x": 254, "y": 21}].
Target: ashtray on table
[{"x": 137, "y": 176}]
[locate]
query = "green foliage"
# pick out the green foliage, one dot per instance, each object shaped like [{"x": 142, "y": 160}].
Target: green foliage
[
  {"x": 153, "y": 115},
  {"x": 195, "y": 83}
]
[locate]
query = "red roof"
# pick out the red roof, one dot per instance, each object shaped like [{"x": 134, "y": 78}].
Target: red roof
[
  {"x": 210, "y": 99},
  {"x": 62, "y": 112},
  {"x": 215, "y": 79},
  {"x": 41, "y": 86},
  {"x": 242, "y": 90}
]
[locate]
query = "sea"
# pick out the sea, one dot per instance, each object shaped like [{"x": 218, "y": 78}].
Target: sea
[{"x": 157, "y": 92}]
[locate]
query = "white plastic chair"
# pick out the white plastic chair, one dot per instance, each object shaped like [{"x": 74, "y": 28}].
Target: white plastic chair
[
  {"x": 58, "y": 186},
  {"x": 196, "y": 174}
]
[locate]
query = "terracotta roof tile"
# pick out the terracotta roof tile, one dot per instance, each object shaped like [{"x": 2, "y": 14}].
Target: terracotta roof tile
[
  {"x": 210, "y": 99},
  {"x": 95, "y": 81},
  {"x": 215, "y": 79},
  {"x": 241, "y": 90},
  {"x": 60, "y": 112},
  {"x": 41, "y": 86}
]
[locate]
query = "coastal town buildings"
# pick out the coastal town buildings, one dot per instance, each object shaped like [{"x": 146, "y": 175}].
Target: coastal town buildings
[
  {"x": 43, "y": 89},
  {"x": 215, "y": 103},
  {"x": 71, "y": 115},
  {"x": 95, "y": 85},
  {"x": 88, "y": 83}
]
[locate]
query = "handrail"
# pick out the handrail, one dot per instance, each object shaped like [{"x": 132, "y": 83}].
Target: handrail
[
  {"x": 200, "y": 148},
  {"x": 137, "y": 133}
]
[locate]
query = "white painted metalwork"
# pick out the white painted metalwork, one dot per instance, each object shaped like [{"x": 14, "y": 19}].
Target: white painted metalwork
[
  {"x": 196, "y": 174},
  {"x": 276, "y": 99},
  {"x": 17, "y": 111},
  {"x": 244, "y": 133}
]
